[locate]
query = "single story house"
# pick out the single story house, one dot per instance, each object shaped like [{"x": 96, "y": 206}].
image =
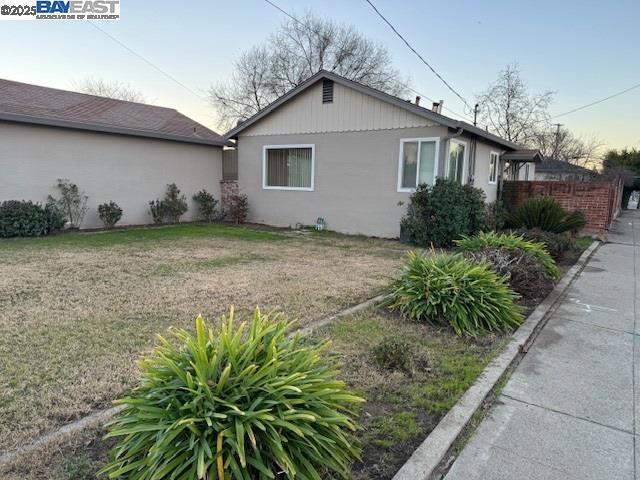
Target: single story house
[
  {"x": 352, "y": 155},
  {"x": 112, "y": 149},
  {"x": 558, "y": 170}
]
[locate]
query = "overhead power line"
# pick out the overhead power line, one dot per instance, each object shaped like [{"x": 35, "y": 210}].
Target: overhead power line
[
  {"x": 417, "y": 54},
  {"x": 148, "y": 62},
  {"x": 598, "y": 101},
  {"x": 292, "y": 17}
]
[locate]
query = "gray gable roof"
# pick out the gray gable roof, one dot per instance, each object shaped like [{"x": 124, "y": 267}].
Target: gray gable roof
[
  {"x": 385, "y": 97},
  {"x": 33, "y": 104},
  {"x": 552, "y": 165}
]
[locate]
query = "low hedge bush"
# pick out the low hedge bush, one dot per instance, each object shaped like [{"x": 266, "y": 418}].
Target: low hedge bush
[
  {"x": 110, "y": 214},
  {"x": 525, "y": 273},
  {"x": 244, "y": 402},
  {"x": 509, "y": 241},
  {"x": 438, "y": 215},
  {"x": 448, "y": 289},
  {"x": 557, "y": 244},
  {"x": 28, "y": 219},
  {"x": 546, "y": 214},
  {"x": 206, "y": 205}
]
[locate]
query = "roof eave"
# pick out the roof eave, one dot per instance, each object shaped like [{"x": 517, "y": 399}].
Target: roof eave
[{"x": 96, "y": 127}]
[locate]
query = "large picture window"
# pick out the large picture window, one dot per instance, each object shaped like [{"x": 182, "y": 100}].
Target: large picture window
[
  {"x": 456, "y": 161},
  {"x": 493, "y": 167},
  {"x": 288, "y": 167},
  {"x": 418, "y": 163}
]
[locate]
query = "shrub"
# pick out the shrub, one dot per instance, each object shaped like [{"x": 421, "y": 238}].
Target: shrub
[
  {"x": 394, "y": 354},
  {"x": 22, "y": 219},
  {"x": 156, "y": 209},
  {"x": 238, "y": 208},
  {"x": 525, "y": 273},
  {"x": 175, "y": 205},
  {"x": 555, "y": 243},
  {"x": 509, "y": 241},
  {"x": 55, "y": 218},
  {"x": 546, "y": 214},
  {"x": 234, "y": 405},
  {"x": 206, "y": 205},
  {"x": 448, "y": 289},
  {"x": 28, "y": 219},
  {"x": 169, "y": 209},
  {"x": 110, "y": 214},
  {"x": 72, "y": 202},
  {"x": 440, "y": 214}
]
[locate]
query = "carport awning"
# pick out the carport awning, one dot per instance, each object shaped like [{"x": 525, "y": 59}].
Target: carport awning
[{"x": 523, "y": 156}]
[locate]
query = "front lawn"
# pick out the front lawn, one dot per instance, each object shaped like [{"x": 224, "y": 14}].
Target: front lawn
[
  {"x": 78, "y": 309},
  {"x": 402, "y": 406}
]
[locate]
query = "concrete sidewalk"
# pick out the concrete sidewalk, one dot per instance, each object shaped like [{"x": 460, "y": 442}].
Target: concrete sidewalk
[{"x": 569, "y": 409}]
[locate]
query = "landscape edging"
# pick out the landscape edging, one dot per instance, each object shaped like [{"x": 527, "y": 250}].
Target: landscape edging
[{"x": 427, "y": 458}]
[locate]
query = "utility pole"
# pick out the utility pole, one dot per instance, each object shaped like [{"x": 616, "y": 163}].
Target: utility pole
[
  {"x": 557, "y": 142},
  {"x": 475, "y": 114}
]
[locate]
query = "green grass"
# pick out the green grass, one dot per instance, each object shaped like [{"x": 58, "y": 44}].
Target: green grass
[
  {"x": 141, "y": 235},
  {"x": 584, "y": 242}
]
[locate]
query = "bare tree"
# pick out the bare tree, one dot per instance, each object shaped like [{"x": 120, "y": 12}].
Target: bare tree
[
  {"x": 563, "y": 145},
  {"x": 510, "y": 110},
  {"x": 115, "y": 89},
  {"x": 298, "y": 50}
]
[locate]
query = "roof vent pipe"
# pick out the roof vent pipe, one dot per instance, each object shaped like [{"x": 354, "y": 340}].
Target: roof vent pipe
[
  {"x": 437, "y": 106},
  {"x": 417, "y": 99}
]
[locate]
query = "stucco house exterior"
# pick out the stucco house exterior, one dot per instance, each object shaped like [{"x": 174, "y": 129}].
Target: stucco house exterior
[
  {"x": 113, "y": 150},
  {"x": 352, "y": 155}
]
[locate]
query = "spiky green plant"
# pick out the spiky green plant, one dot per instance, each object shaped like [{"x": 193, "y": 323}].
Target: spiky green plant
[
  {"x": 548, "y": 215},
  {"x": 234, "y": 404},
  {"x": 509, "y": 241},
  {"x": 448, "y": 289}
]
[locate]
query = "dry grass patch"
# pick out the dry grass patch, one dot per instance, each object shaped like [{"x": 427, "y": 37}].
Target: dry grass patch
[
  {"x": 402, "y": 406},
  {"x": 78, "y": 310}
]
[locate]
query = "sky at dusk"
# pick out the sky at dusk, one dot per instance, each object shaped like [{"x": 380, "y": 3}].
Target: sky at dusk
[{"x": 582, "y": 50}]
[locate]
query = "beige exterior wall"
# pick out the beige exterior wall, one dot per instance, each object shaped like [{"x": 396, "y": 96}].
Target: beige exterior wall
[
  {"x": 131, "y": 171},
  {"x": 349, "y": 111},
  {"x": 481, "y": 173},
  {"x": 355, "y": 180}
]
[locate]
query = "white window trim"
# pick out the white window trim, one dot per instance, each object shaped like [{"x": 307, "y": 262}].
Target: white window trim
[
  {"x": 435, "y": 163},
  {"x": 495, "y": 180},
  {"x": 313, "y": 167},
  {"x": 465, "y": 159}
]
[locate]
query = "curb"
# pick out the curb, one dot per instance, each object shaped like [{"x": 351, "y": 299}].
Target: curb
[
  {"x": 102, "y": 416},
  {"x": 425, "y": 460}
]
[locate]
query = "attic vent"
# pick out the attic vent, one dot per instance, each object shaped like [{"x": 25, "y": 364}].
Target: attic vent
[{"x": 327, "y": 91}]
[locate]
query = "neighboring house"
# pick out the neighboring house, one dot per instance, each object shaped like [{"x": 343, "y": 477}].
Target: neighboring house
[
  {"x": 113, "y": 150},
  {"x": 352, "y": 155},
  {"x": 557, "y": 170}
]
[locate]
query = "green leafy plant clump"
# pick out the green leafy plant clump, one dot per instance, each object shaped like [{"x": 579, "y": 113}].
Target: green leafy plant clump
[
  {"x": 546, "y": 214},
  {"x": 509, "y": 241},
  {"x": 438, "y": 215},
  {"x": 206, "y": 205},
  {"x": 448, "y": 289},
  {"x": 110, "y": 214},
  {"x": 243, "y": 403},
  {"x": 556, "y": 244},
  {"x": 28, "y": 219},
  {"x": 72, "y": 202},
  {"x": 170, "y": 208},
  {"x": 394, "y": 354}
]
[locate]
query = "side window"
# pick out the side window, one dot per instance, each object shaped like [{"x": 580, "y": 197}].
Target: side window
[
  {"x": 493, "y": 167},
  {"x": 456, "y": 161},
  {"x": 418, "y": 163}
]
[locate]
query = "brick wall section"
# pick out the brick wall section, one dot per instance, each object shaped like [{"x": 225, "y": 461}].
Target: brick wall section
[
  {"x": 228, "y": 188},
  {"x": 599, "y": 201}
]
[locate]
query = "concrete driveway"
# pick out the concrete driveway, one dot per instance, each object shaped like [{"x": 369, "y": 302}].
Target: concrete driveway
[{"x": 569, "y": 410}]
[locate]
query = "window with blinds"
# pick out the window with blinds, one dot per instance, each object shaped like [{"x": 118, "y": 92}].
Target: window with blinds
[{"x": 288, "y": 167}]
